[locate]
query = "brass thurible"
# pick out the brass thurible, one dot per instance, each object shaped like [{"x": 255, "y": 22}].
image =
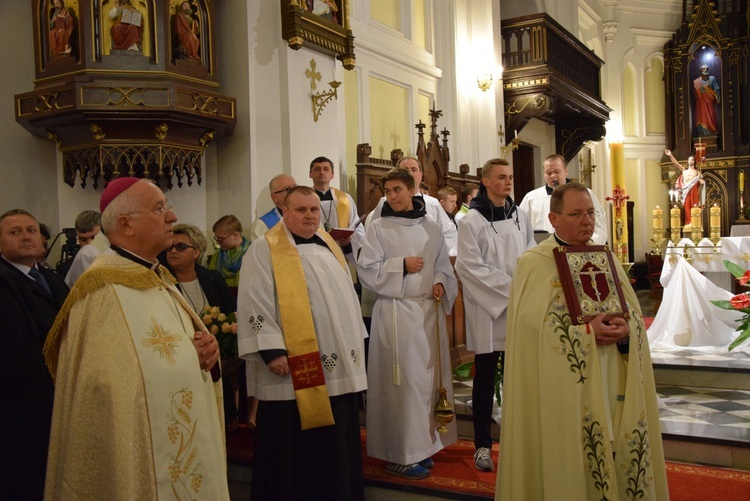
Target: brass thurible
[{"x": 444, "y": 410}]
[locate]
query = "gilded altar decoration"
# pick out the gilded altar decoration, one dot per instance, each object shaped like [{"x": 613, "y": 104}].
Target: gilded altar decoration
[{"x": 589, "y": 283}]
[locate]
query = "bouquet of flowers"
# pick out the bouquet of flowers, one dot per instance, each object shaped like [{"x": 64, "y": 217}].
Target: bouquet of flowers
[
  {"x": 740, "y": 302},
  {"x": 224, "y": 327}
]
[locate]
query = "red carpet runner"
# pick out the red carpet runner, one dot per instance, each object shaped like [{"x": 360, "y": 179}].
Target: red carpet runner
[{"x": 454, "y": 472}]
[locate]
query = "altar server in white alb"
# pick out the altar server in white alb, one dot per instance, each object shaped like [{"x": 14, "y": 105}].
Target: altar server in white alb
[
  {"x": 405, "y": 260},
  {"x": 433, "y": 209},
  {"x": 536, "y": 202},
  {"x": 491, "y": 237},
  {"x": 299, "y": 321}
]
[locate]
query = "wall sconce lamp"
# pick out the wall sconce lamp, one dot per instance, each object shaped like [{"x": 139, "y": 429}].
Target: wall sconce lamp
[
  {"x": 507, "y": 148},
  {"x": 485, "y": 82},
  {"x": 320, "y": 99}
]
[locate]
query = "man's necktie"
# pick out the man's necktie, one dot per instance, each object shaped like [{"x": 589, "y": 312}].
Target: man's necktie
[{"x": 39, "y": 278}]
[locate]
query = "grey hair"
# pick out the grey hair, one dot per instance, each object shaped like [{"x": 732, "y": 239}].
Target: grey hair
[
  {"x": 196, "y": 237},
  {"x": 122, "y": 205}
]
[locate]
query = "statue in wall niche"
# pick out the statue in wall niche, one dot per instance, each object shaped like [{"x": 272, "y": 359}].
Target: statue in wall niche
[
  {"x": 128, "y": 23},
  {"x": 707, "y": 98},
  {"x": 187, "y": 31},
  {"x": 61, "y": 26}
]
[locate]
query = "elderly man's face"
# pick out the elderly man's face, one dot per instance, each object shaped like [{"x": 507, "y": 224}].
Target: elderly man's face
[
  {"x": 302, "y": 214},
  {"x": 20, "y": 239},
  {"x": 575, "y": 222},
  {"x": 279, "y": 189},
  {"x": 151, "y": 224}
]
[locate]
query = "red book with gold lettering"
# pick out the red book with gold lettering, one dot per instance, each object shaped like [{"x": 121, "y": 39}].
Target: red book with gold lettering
[{"x": 590, "y": 282}]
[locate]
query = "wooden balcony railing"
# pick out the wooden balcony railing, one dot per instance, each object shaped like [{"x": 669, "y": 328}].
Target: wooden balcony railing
[{"x": 538, "y": 40}]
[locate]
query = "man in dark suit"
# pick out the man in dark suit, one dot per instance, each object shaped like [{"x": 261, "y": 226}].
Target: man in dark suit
[
  {"x": 20, "y": 243},
  {"x": 26, "y": 399}
]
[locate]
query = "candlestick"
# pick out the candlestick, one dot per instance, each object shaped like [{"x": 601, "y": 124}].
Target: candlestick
[
  {"x": 658, "y": 221},
  {"x": 674, "y": 217},
  {"x": 742, "y": 180},
  {"x": 695, "y": 217},
  {"x": 715, "y": 215}
]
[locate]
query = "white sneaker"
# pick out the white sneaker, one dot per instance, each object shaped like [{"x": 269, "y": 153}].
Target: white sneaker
[{"x": 483, "y": 460}]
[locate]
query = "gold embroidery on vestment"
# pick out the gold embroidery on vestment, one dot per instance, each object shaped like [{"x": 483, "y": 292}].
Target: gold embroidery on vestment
[{"x": 161, "y": 341}]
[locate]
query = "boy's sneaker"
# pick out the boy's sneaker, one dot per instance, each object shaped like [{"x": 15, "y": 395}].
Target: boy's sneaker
[
  {"x": 483, "y": 460},
  {"x": 411, "y": 471},
  {"x": 427, "y": 463}
]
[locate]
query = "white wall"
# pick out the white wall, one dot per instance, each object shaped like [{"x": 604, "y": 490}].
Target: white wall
[{"x": 28, "y": 164}]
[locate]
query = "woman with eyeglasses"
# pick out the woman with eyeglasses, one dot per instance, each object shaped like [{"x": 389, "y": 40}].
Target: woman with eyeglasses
[
  {"x": 204, "y": 288},
  {"x": 201, "y": 287}
]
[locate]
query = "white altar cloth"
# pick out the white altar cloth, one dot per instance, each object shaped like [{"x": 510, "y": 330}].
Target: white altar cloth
[{"x": 686, "y": 317}]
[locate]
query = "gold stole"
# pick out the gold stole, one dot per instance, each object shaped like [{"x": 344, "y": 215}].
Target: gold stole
[
  {"x": 297, "y": 325},
  {"x": 342, "y": 207}
]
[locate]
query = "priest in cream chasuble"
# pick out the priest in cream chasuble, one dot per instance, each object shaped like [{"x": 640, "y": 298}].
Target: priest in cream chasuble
[
  {"x": 134, "y": 416},
  {"x": 580, "y": 418}
]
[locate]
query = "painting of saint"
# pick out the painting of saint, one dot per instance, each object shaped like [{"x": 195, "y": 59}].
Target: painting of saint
[{"x": 324, "y": 8}]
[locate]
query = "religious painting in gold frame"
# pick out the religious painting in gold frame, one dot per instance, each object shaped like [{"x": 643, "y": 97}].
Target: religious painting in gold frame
[
  {"x": 590, "y": 282},
  {"x": 321, "y": 25}
]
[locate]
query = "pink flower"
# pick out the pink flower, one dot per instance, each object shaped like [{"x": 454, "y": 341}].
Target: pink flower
[
  {"x": 233, "y": 328},
  {"x": 740, "y": 301},
  {"x": 214, "y": 329},
  {"x": 744, "y": 278},
  {"x": 225, "y": 327},
  {"x": 206, "y": 319}
]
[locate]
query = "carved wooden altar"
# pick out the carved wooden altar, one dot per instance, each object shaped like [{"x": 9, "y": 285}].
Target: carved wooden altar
[
  {"x": 714, "y": 34},
  {"x": 434, "y": 156},
  {"x": 129, "y": 90}
]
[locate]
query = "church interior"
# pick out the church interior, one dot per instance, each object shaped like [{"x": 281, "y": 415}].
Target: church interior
[{"x": 629, "y": 92}]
